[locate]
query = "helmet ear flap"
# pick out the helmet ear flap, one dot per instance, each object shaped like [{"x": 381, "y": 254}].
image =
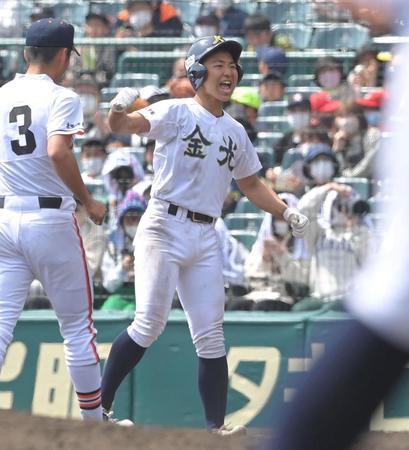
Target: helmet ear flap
[
  {"x": 197, "y": 75},
  {"x": 240, "y": 72}
]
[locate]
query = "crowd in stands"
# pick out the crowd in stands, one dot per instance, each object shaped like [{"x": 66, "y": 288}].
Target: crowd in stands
[{"x": 317, "y": 133}]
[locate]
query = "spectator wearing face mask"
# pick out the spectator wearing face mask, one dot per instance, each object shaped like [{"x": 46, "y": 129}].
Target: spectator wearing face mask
[
  {"x": 329, "y": 77},
  {"x": 320, "y": 167},
  {"x": 231, "y": 18},
  {"x": 206, "y": 25},
  {"x": 354, "y": 143},
  {"x": 95, "y": 125},
  {"x": 92, "y": 158},
  {"x": 289, "y": 176},
  {"x": 121, "y": 171},
  {"x": 118, "y": 261},
  {"x": 299, "y": 117},
  {"x": 148, "y": 18}
]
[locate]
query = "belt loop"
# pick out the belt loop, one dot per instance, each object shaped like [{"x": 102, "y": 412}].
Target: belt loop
[{"x": 173, "y": 209}]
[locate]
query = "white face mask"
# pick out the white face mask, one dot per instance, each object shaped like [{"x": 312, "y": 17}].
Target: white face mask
[
  {"x": 130, "y": 230},
  {"x": 140, "y": 19},
  {"x": 89, "y": 104},
  {"x": 222, "y": 4},
  {"x": 92, "y": 166},
  {"x": 329, "y": 79},
  {"x": 281, "y": 228},
  {"x": 348, "y": 124},
  {"x": 322, "y": 170},
  {"x": 298, "y": 120},
  {"x": 204, "y": 30}
]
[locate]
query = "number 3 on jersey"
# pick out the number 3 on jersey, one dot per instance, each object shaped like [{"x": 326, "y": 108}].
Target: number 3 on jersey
[{"x": 23, "y": 130}]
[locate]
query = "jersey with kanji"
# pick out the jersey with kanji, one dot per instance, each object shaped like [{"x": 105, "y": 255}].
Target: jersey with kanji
[{"x": 197, "y": 154}]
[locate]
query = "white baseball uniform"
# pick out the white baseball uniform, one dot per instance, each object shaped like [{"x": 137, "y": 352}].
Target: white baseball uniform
[
  {"x": 195, "y": 158},
  {"x": 39, "y": 235}
]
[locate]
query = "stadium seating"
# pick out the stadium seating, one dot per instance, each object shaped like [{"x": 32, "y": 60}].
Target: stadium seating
[
  {"x": 361, "y": 185},
  {"x": 244, "y": 205},
  {"x": 137, "y": 80},
  {"x": 74, "y": 12},
  {"x": 244, "y": 221},
  {"x": 266, "y": 157},
  {"x": 106, "y": 7},
  {"x": 341, "y": 36},
  {"x": 246, "y": 237},
  {"x": 251, "y": 79},
  {"x": 286, "y": 11},
  {"x": 107, "y": 94},
  {"x": 162, "y": 63},
  {"x": 268, "y": 139},
  {"x": 272, "y": 108},
  {"x": 298, "y": 34},
  {"x": 301, "y": 80},
  {"x": 272, "y": 124}
]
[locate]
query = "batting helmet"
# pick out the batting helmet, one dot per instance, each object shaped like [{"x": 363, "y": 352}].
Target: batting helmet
[{"x": 204, "y": 47}]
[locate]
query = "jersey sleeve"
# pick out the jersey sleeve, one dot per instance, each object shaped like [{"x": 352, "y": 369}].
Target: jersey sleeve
[
  {"x": 66, "y": 116},
  {"x": 247, "y": 162},
  {"x": 162, "y": 117}
]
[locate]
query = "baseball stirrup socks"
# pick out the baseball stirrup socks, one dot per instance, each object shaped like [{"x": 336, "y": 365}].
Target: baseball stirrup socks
[
  {"x": 89, "y": 400},
  {"x": 213, "y": 381}
]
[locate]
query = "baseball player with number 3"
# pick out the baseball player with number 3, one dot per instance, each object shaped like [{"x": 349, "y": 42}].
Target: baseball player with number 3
[
  {"x": 39, "y": 235},
  {"x": 199, "y": 149}
]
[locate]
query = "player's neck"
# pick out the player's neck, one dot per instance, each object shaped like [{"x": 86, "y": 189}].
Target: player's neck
[
  {"x": 41, "y": 69},
  {"x": 211, "y": 104}
]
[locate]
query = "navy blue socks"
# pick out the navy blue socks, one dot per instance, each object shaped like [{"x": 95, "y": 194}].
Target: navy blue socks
[
  {"x": 213, "y": 382},
  {"x": 123, "y": 357}
]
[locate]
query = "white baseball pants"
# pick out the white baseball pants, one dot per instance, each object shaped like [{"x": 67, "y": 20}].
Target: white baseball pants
[
  {"x": 46, "y": 244},
  {"x": 172, "y": 252}
]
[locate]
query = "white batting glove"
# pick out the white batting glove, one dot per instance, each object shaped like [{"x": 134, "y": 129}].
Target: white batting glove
[
  {"x": 123, "y": 99},
  {"x": 297, "y": 221}
]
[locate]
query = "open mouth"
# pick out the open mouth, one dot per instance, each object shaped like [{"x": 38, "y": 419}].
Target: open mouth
[{"x": 226, "y": 86}]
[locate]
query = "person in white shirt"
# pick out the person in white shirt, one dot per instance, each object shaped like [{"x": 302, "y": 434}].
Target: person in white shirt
[
  {"x": 199, "y": 149},
  {"x": 39, "y": 235}
]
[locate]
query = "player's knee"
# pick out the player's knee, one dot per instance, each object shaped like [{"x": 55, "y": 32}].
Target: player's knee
[
  {"x": 145, "y": 332},
  {"x": 210, "y": 344}
]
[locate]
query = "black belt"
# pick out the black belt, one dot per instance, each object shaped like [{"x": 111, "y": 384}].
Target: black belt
[
  {"x": 43, "y": 202},
  {"x": 193, "y": 216}
]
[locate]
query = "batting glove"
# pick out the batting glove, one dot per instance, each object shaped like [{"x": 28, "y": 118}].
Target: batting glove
[
  {"x": 123, "y": 99},
  {"x": 297, "y": 221}
]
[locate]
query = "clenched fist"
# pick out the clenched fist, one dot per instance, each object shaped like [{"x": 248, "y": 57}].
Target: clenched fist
[
  {"x": 125, "y": 98},
  {"x": 297, "y": 221}
]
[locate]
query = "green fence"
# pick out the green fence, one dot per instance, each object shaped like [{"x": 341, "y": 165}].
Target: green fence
[{"x": 268, "y": 353}]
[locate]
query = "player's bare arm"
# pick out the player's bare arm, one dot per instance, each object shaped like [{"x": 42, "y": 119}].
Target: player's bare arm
[
  {"x": 266, "y": 199},
  {"x": 59, "y": 150},
  {"x": 263, "y": 197}
]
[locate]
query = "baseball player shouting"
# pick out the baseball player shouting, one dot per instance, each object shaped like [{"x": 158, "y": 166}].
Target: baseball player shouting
[
  {"x": 39, "y": 235},
  {"x": 199, "y": 148}
]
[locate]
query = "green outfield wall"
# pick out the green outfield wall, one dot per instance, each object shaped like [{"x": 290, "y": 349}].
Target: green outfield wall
[{"x": 268, "y": 354}]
